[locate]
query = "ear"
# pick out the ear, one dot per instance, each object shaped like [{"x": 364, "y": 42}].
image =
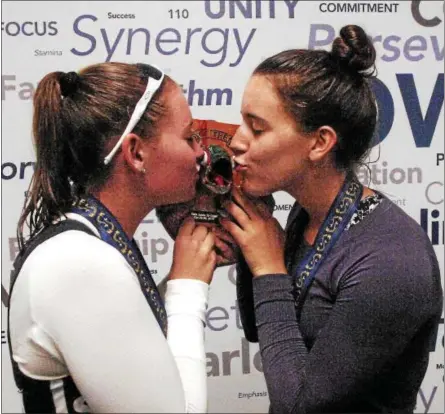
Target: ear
[
  {"x": 325, "y": 138},
  {"x": 135, "y": 153}
]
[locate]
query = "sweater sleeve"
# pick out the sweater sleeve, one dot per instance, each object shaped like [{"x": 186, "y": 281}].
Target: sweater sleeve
[
  {"x": 382, "y": 302},
  {"x": 244, "y": 278}
]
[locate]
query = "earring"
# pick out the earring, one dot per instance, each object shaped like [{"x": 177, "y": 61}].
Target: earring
[{"x": 143, "y": 170}]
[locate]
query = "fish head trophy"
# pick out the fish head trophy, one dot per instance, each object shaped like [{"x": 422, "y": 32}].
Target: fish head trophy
[{"x": 217, "y": 178}]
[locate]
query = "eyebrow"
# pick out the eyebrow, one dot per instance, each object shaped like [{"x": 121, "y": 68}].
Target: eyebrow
[
  {"x": 189, "y": 125},
  {"x": 188, "y": 128},
  {"x": 254, "y": 117}
]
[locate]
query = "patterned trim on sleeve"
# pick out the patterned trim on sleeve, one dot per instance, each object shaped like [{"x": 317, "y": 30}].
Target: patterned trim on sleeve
[{"x": 366, "y": 206}]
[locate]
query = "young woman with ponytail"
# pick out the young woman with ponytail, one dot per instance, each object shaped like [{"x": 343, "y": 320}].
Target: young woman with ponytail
[
  {"x": 88, "y": 328},
  {"x": 345, "y": 302}
]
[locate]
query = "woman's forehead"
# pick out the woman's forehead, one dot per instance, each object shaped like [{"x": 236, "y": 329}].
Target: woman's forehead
[{"x": 260, "y": 97}]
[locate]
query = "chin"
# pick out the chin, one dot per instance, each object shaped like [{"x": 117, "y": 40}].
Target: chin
[
  {"x": 254, "y": 191},
  {"x": 185, "y": 197},
  {"x": 177, "y": 198}
]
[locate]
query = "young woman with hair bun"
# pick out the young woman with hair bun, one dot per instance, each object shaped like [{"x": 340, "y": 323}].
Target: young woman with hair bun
[{"x": 346, "y": 300}]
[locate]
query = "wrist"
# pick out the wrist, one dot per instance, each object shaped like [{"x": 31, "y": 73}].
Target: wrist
[
  {"x": 179, "y": 276},
  {"x": 269, "y": 270}
]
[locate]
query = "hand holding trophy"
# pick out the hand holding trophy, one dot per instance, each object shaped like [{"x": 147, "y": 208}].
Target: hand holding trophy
[{"x": 215, "y": 185}]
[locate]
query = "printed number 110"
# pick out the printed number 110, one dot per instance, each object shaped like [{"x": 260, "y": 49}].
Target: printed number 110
[{"x": 184, "y": 13}]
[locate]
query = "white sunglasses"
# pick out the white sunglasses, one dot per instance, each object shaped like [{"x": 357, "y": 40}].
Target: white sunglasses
[{"x": 155, "y": 78}]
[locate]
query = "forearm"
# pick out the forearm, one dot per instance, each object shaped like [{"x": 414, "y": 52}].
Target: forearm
[
  {"x": 283, "y": 351},
  {"x": 186, "y": 303}
]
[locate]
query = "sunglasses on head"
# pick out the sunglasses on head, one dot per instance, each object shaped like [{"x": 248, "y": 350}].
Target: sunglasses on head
[{"x": 155, "y": 77}]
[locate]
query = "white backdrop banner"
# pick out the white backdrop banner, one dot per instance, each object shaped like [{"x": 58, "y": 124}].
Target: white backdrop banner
[{"x": 210, "y": 48}]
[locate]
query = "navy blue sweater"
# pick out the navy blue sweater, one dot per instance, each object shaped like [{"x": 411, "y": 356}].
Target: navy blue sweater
[{"x": 361, "y": 342}]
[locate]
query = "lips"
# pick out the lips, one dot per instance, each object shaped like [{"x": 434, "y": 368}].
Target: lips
[
  {"x": 239, "y": 167},
  {"x": 239, "y": 175}
]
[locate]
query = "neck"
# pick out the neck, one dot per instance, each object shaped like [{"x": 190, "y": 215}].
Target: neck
[
  {"x": 316, "y": 196},
  {"x": 125, "y": 203}
]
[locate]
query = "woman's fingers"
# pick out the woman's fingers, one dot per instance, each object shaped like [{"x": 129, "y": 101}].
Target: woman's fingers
[
  {"x": 222, "y": 247},
  {"x": 247, "y": 206},
  {"x": 200, "y": 232},
  {"x": 187, "y": 227},
  {"x": 241, "y": 217},
  {"x": 220, "y": 233},
  {"x": 208, "y": 242},
  {"x": 236, "y": 231}
]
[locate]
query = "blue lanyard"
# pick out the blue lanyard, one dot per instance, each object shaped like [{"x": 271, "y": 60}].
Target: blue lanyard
[
  {"x": 112, "y": 233},
  {"x": 339, "y": 215}
]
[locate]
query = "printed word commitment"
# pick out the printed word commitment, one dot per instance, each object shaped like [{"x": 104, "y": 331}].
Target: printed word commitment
[{"x": 353, "y": 7}]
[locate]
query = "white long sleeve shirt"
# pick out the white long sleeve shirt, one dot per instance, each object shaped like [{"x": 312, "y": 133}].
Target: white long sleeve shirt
[{"x": 77, "y": 309}]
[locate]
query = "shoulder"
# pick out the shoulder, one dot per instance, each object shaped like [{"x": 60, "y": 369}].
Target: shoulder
[
  {"x": 392, "y": 233},
  {"x": 74, "y": 250},
  {"x": 389, "y": 219},
  {"x": 74, "y": 275},
  {"x": 392, "y": 249},
  {"x": 74, "y": 261}
]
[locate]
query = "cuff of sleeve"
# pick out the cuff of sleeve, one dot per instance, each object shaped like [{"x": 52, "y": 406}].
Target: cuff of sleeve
[
  {"x": 273, "y": 298},
  {"x": 186, "y": 297}
]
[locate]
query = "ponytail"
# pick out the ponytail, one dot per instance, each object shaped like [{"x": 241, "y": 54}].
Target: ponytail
[
  {"x": 77, "y": 116},
  {"x": 50, "y": 192}
]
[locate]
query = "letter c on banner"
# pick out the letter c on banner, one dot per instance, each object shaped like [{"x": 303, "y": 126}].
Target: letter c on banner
[
  {"x": 415, "y": 10},
  {"x": 428, "y": 193}
]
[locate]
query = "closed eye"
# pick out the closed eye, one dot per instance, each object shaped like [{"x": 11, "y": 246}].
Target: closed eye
[
  {"x": 191, "y": 139},
  {"x": 257, "y": 124},
  {"x": 256, "y": 128}
]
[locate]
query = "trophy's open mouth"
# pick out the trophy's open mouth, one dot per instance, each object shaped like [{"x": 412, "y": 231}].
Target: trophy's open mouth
[{"x": 218, "y": 172}]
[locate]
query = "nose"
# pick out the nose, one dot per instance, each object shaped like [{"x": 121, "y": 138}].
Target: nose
[{"x": 240, "y": 142}]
